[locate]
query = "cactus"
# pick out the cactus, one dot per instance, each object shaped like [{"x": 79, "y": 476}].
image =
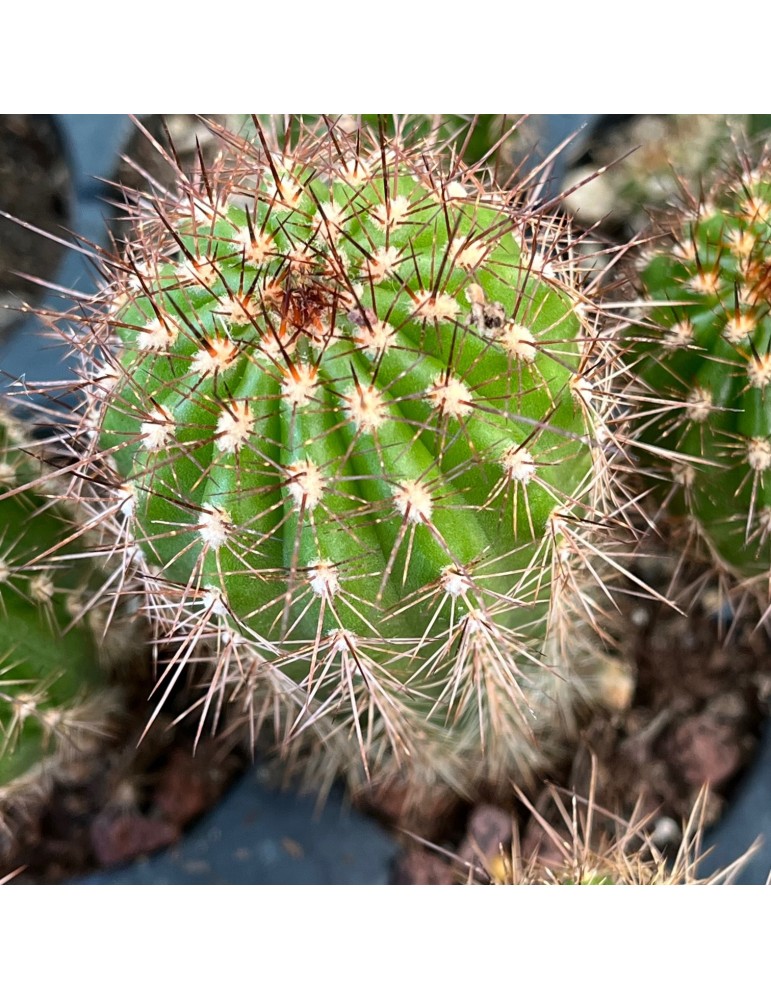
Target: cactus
[
  {"x": 352, "y": 406},
  {"x": 704, "y": 358},
  {"x": 585, "y": 844},
  {"x": 54, "y": 702}
]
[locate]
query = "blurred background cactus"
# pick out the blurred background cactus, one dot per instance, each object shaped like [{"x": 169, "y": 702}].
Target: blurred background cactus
[
  {"x": 703, "y": 356},
  {"x": 636, "y": 166},
  {"x": 55, "y": 701}
]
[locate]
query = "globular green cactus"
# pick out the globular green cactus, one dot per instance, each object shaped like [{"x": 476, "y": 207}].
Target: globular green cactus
[
  {"x": 705, "y": 360},
  {"x": 54, "y": 702},
  {"x": 354, "y": 406}
]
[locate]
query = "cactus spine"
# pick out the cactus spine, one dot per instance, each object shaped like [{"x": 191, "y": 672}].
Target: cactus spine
[
  {"x": 355, "y": 404},
  {"x": 705, "y": 360}
]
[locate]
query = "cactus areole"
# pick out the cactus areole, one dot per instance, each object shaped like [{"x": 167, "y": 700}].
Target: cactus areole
[
  {"x": 350, "y": 408},
  {"x": 706, "y": 358}
]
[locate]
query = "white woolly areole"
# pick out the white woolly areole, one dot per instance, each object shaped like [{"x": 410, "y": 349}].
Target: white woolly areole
[
  {"x": 41, "y": 588},
  {"x": 582, "y": 388},
  {"x": 759, "y": 371},
  {"x": 705, "y": 282},
  {"x": 685, "y": 250},
  {"x": 288, "y": 190},
  {"x": 301, "y": 260},
  {"x": 200, "y": 269},
  {"x": 759, "y": 454},
  {"x": 213, "y": 602},
  {"x": 324, "y": 579},
  {"x": 436, "y": 307},
  {"x": 394, "y": 214},
  {"x": 455, "y": 581},
  {"x": 342, "y": 640},
  {"x": 413, "y": 501},
  {"x": 159, "y": 335},
  {"x": 558, "y": 521},
  {"x": 475, "y": 621},
  {"x": 683, "y": 474},
  {"x": 698, "y": 404},
  {"x": 255, "y": 249},
  {"x": 365, "y": 406},
  {"x": 455, "y": 190},
  {"x": 158, "y": 433},
  {"x": 104, "y": 378},
  {"x": 680, "y": 334},
  {"x": 518, "y": 342},
  {"x": 755, "y": 208},
  {"x": 213, "y": 526},
  {"x": 738, "y": 327},
  {"x": 354, "y": 171},
  {"x": 538, "y": 264},
  {"x": 333, "y": 219},
  {"x": 468, "y": 255},
  {"x": 7, "y": 474},
  {"x": 306, "y": 485},
  {"x": 216, "y": 355},
  {"x": 451, "y": 396},
  {"x": 382, "y": 263},
  {"x": 239, "y": 313},
  {"x": 234, "y": 426},
  {"x": 206, "y": 210},
  {"x": 742, "y": 242},
  {"x": 518, "y": 464},
  {"x": 299, "y": 384},
  {"x": 375, "y": 337},
  {"x": 127, "y": 499}
]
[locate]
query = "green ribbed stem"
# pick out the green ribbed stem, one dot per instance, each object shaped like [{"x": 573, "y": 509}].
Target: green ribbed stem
[
  {"x": 708, "y": 364},
  {"x": 48, "y": 654},
  {"x": 318, "y": 480}
]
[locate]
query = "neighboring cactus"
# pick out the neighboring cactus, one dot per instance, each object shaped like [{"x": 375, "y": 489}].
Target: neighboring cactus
[
  {"x": 584, "y": 844},
  {"x": 356, "y": 407},
  {"x": 54, "y": 704},
  {"x": 705, "y": 359}
]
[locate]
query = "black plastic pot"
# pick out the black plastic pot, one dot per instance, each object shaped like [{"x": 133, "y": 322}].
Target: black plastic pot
[{"x": 257, "y": 835}]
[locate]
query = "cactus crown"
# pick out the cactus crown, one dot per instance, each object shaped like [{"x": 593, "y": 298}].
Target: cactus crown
[
  {"x": 707, "y": 360},
  {"x": 354, "y": 401}
]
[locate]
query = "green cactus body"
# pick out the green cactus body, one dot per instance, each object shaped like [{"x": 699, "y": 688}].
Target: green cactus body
[
  {"x": 350, "y": 411},
  {"x": 49, "y": 663},
  {"x": 707, "y": 361}
]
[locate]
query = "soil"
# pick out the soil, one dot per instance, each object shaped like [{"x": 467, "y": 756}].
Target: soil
[
  {"x": 136, "y": 797},
  {"x": 702, "y": 682},
  {"x": 700, "y": 695}
]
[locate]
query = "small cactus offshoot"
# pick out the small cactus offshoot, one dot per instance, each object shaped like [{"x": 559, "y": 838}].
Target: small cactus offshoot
[
  {"x": 53, "y": 700},
  {"x": 705, "y": 358},
  {"x": 352, "y": 400}
]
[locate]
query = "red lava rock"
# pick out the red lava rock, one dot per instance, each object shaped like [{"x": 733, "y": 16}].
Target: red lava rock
[
  {"x": 704, "y": 751},
  {"x": 184, "y": 790},
  {"x": 119, "y": 839},
  {"x": 489, "y": 831},
  {"x": 416, "y": 866}
]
